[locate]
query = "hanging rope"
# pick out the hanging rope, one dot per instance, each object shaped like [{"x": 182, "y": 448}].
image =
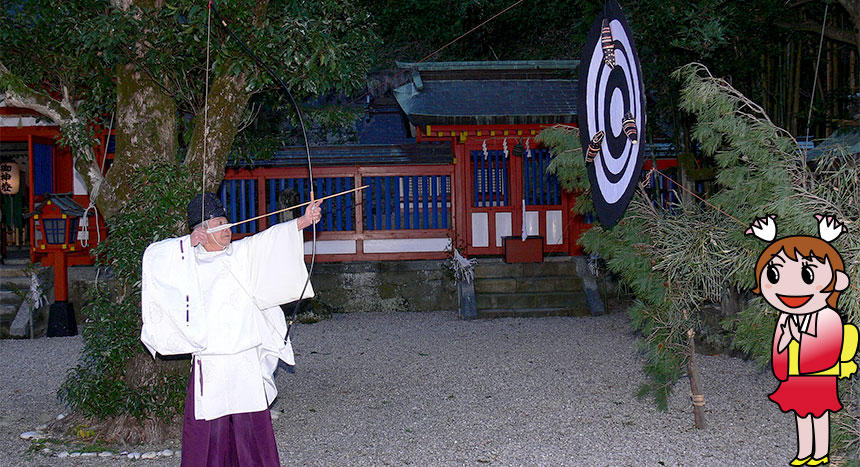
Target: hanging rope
[
  {"x": 469, "y": 31},
  {"x": 206, "y": 112},
  {"x": 655, "y": 170},
  {"x": 431, "y": 54},
  {"x": 815, "y": 77},
  {"x": 84, "y": 233}
]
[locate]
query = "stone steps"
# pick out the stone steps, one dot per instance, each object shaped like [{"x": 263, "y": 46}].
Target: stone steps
[
  {"x": 15, "y": 283},
  {"x": 489, "y": 268},
  {"x": 529, "y": 300},
  {"x": 18, "y": 270},
  {"x": 9, "y": 297},
  {"x": 533, "y": 312},
  {"x": 551, "y": 288},
  {"x": 489, "y": 285}
]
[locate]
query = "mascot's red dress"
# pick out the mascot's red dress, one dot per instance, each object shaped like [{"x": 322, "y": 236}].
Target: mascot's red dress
[{"x": 820, "y": 344}]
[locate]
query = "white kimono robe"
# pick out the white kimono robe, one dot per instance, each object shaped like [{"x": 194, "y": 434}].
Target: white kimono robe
[{"x": 223, "y": 308}]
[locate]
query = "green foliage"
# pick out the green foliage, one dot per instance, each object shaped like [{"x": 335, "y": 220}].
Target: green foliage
[
  {"x": 73, "y": 48},
  {"x": 629, "y": 250},
  {"x": 106, "y": 381},
  {"x": 62, "y": 51},
  {"x": 753, "y": 330},
  {"x": 677, "y": 263},
  {"x": 314, "y": 47}
]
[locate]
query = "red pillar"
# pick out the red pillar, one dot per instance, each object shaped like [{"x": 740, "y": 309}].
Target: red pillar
[{"x": 61, "y": 283}]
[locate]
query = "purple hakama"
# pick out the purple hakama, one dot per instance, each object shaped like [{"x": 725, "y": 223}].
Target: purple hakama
[{"x": 242, "y": 439}]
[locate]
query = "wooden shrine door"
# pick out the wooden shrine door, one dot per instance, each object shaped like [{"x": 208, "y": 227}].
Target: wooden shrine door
[{"x": 506, "y": 192}]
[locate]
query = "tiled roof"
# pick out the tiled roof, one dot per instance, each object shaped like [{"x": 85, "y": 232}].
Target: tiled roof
[
  {"x": 485, "y": 102},
  {"x": 64, "y": 201}
]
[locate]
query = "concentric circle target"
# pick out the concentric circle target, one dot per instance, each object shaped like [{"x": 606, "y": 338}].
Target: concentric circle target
[{"x": 611, "y": 113}]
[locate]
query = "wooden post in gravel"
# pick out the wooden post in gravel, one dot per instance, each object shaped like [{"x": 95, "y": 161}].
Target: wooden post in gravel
[{"x": 695, "y": 382}]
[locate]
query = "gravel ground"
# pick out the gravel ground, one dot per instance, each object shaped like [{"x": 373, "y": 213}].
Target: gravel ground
[{"x": 429, "y": 389}]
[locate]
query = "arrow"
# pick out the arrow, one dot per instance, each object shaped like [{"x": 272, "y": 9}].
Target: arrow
[{"x": 227, "y": 226}]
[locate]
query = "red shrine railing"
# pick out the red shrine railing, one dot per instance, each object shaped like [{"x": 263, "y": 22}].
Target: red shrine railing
[{"x": 410, "y": 211}]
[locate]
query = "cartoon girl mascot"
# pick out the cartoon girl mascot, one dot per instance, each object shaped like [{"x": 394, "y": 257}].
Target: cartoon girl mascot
[{"x": 802, "y": 277}]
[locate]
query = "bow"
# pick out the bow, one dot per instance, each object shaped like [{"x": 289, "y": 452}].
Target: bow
[{"x": 278, "y": 79}]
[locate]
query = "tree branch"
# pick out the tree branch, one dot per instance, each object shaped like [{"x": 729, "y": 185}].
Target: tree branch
[
  {"x": 17, "y": 94},
  {"x": 832, "y": 33},
  {"x": 61, "y": 112},
  {"x": 852, "y": 7}
]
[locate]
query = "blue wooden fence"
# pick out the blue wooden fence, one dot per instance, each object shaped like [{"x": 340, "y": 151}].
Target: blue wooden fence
[
  {"x": 489, "y": 179},
  {"x": 663, "y": 192},
  {"x": 240, "y": 201},
  {"x": 407, "y": 202},
  {"x": 666, "y": 190},
  {"x": 539, "y": 187},
  {"x": 339, "y": 214}
]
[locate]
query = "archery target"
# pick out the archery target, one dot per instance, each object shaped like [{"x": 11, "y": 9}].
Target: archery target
[{"x": 606, "y": 95}]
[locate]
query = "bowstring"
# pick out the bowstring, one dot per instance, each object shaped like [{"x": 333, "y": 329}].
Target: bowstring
[
  {"x": 435, "y": 52},
  {"x": 286, "y": 88}
]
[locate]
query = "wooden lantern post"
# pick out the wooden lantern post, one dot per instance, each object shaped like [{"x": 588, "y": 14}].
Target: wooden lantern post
[{"x": 56, "y": 221}]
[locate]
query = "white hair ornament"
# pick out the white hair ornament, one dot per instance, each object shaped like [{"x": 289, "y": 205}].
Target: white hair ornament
[
  {"x": 763, "y": 228},
  {"x": 829, "y": 228}
]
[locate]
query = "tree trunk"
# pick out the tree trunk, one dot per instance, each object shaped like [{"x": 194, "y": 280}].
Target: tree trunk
[
  {"x": 146, "y": 134},
  {"x": 227, "y": 101}
]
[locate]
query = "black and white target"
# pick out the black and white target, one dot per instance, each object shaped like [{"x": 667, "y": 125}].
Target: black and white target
[{"x": 612, "y": 101}]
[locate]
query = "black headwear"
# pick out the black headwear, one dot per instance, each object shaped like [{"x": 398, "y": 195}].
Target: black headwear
[{"x": 206, "y": 205}]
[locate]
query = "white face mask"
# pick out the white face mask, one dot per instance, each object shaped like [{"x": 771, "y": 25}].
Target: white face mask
[{"x": 218, "y": 240}]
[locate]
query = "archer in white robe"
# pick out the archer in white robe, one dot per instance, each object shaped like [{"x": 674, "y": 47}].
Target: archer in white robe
[{"x": 222, "y": 307}]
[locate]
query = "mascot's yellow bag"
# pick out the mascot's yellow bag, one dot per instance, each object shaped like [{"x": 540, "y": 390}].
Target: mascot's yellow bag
[{"x": 845, "y": 367}]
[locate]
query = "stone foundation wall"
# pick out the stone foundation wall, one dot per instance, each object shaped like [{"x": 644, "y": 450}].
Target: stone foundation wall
[
  {"x": 385, "y": 286},
  {"x": 343, "y": 287}
]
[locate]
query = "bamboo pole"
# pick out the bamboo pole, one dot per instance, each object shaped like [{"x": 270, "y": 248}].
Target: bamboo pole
[
  {"x": 795, "y": 109},
  {"x": 768, "y": 81},
  {"x": 695, "y": 382},
  {"x": 828, "y": 67},
  {"x": 785, "y": 90},
  {"x": 764, "y": 77},
  {"x": 780, "y": 83}
]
